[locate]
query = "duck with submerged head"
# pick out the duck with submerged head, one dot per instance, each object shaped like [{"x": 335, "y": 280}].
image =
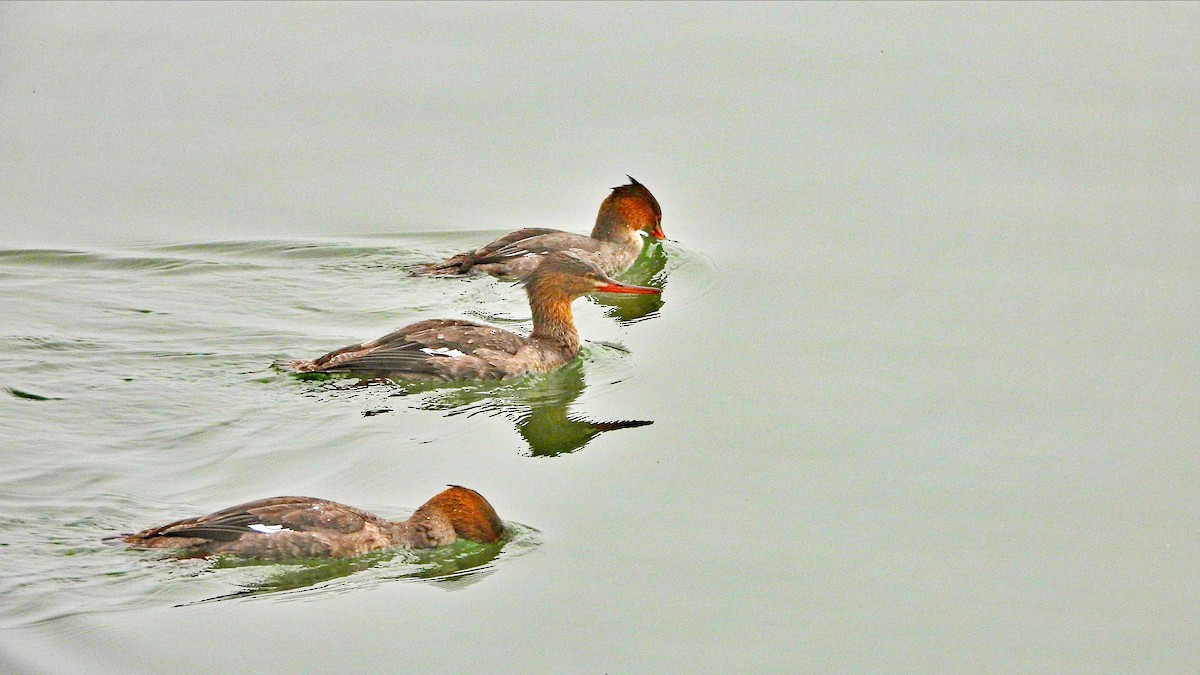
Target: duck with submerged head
[
  {"x": 614, "y": 244},
  {"x": 451, "y": 349},
  {"x": 282, "y": 528}
]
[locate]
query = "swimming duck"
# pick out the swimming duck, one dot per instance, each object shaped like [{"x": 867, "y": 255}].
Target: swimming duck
[
  {"x": 614, "y": 244},
  {"x": 281, "y": 528},
  {"x": 452, "y": 349}
]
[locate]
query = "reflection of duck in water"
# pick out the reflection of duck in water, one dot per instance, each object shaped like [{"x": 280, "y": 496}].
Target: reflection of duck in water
[
  {"x": 450, "y": 568},
  {"x": 614, "y": 244},
  {"x": 538, "y": 409},
  {"x": 448, "y": 349},
  {"x": 550, "y": 431},
  {"x": 282, "y": 528},
  {"x": 649, "y": 270}
]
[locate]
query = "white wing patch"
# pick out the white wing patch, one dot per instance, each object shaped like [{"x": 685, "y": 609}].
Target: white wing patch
[
  {"x": 442, "y": 351},
  {"x": 268, "y": 529}
]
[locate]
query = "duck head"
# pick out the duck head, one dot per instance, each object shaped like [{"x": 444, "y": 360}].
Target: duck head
[
  {"x": 450, "y": 514},
  {"x": 629, "y": 207},
  {"x": 571, "y": 275}
]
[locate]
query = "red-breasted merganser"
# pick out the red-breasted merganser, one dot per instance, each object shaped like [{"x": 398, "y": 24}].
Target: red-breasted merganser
[
  {"x": 282, "y": 528},
  {"x": 614, "y": 244},
  {"x": 451, "y": 349}
]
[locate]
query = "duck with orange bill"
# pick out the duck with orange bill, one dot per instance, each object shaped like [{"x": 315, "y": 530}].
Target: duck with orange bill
[
  {"x": 615, "y": 243},
  {"x": 453, "y": 349}
]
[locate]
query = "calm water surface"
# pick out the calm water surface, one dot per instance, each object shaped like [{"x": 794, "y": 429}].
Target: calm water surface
[{"x": 919, "y": 394}]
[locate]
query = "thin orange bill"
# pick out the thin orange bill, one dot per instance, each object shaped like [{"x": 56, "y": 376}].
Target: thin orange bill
[{"x": 618, "y": 287}]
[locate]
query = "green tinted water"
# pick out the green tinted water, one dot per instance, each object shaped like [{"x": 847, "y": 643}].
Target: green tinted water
[{"x": 922, "y": 381}]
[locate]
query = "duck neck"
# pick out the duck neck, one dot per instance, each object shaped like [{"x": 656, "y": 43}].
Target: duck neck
[
  {"x": 423, "y": 530},
  {"x": 612, "y": 224},
  {"x": 552, "y": 318}
]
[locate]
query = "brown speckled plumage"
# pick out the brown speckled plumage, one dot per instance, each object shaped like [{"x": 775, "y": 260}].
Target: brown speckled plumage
[
  {"x": 282, "y": 528},
  {"x": 613, "y": 245},
  {"x": 451, "y": 349}
]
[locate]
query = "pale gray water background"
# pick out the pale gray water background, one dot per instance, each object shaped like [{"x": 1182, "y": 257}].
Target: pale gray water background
[{"x": 923, "y": 383}]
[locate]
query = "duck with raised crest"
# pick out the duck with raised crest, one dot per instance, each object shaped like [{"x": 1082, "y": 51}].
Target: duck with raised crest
[
  {"x": 614, "y": 244},
  {"x": 452, "y": 349}
]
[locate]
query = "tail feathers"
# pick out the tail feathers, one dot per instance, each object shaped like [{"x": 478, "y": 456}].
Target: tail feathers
[{"x": 459, "y": 264}]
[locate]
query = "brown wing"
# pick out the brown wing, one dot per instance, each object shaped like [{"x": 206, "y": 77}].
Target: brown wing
[
  {"x": 278, "y": 528},
  {"x": 438, "y": 348},
  {"x": 297, "y": 514},
  {"x": 547, "y": 242},
  {"x": 462, "y": 263}
]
